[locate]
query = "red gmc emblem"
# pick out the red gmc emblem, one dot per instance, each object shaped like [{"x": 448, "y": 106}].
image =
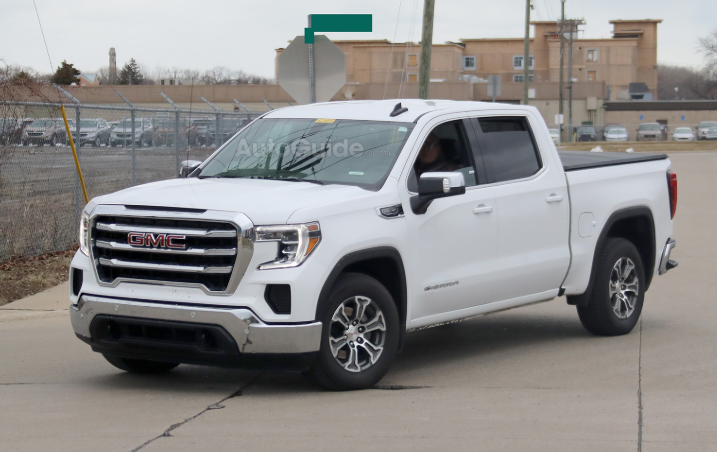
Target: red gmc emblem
[{"x": 149, "y": 240}]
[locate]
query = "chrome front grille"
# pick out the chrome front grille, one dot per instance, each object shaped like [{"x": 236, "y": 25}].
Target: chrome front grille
[{"x": 205, "y": 253}]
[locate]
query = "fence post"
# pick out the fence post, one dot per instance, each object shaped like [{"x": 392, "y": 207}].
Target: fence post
[
  {"x": 176, "y": 141},
  {"x": 134, "y": 152},
  {"x": 217, "y": 131}
]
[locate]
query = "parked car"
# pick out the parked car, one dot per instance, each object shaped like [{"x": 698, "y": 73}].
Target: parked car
[
  {"x": 202, "y": 125},
  {"x": 649, "y": 132},
  {"x": 711, "y": 133},
  {"x": 587, "y": 133},
  {"x": 616, "y": 134},
  {"x": 11, "y": 130},
  {"x": 166, "y": 128},
  {"x": 683, "y": 134},
  {"x": 703, "y": 128},
  {"x": 555, "y": 135},
  {"x": 322, "y": 259},
  {"x": 229, "y": 127},
  {"x": 143, "y": 132},
  {"x": 95, "y": 132},
  {"x": 46, "y": 131}
]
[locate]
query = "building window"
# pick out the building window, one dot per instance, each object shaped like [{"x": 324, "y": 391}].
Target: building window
[
  {"x": 518, "y": 78},
  {"x": 591, "y": 55},
  {"x": 413, "y": 60},
  {"x": 518, "y": 62},
  {"x": 592, "y": 76},
  {"x": 412, "y": 77},
  {"x": 469, "y": 63}
]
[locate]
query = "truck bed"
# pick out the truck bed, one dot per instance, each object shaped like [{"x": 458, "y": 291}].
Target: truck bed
[{"x": 580, "y": 160}]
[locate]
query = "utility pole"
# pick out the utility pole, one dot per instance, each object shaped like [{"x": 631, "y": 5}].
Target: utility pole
[
  {"x": 570, "y": 81},
  {"x": 424, "y": 72},
  {"x": 526, "y": 54},
  {"x": 562, "y": 65},
  {"x": 312, "y": 76}
]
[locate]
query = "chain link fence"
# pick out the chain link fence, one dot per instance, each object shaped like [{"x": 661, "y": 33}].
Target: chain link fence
[{"x": 118, "y": 147}]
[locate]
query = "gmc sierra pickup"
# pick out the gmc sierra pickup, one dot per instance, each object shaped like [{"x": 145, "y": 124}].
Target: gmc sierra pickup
[{"x": 319, "y": 235}]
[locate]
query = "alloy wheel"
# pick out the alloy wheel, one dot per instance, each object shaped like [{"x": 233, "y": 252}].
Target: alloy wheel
[
  {"x": 357, "y": 334},
  {"x": 624, "y": 287}
]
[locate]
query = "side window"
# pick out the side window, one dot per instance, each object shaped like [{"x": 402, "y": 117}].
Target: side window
[
  {"x": 445, "y": 149},
  {"x": 508, "y": 148}
]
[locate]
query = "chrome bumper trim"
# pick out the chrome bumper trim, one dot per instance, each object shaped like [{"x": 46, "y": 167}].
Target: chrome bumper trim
[
  {"x": 251, "y": 334},
  {"x": 665, "y": 263}
]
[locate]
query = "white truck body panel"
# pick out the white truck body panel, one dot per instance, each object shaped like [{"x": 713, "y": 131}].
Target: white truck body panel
[{"x": 504, "y": 244}]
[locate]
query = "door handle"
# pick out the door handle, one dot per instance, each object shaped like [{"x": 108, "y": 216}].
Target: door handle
[
  {"x": 482, "y": 209},
  {"x": 553, "y": 198}
]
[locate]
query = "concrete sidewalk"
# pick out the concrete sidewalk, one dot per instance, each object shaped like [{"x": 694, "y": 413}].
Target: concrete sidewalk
[{"x": 52, "y": 302}]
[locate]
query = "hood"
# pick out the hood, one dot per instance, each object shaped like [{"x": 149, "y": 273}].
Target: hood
[
  {"x": 88, "y": 129},
  {"x": 263, "y": 201},
  {"x": 126, "y": 129}
]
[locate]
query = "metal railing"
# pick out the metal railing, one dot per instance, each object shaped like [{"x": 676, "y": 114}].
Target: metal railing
[{"x": 118, "y": 147}]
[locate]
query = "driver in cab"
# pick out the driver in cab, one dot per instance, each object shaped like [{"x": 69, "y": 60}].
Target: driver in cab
[{"x": 432, "y": 158}]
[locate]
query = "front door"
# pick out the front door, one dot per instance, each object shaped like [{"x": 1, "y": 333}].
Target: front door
[{"x": 455, "y": 242}]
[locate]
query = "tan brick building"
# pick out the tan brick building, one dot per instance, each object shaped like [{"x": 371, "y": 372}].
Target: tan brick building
[{"x": 630, "y": 56}]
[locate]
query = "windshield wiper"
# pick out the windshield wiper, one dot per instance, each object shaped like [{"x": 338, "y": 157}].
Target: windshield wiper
[{"x": 295, "y": 179}]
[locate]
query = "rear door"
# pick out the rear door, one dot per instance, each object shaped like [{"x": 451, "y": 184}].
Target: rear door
[{"x": 532, "y": 205}]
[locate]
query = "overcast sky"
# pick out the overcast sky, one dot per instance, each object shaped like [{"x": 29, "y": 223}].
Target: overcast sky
[{"x": 243, "y": 34}]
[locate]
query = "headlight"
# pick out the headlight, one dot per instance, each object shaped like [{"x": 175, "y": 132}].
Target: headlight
[
  {"x": 296, "y": 242},
  {"x": 85, "y": 233}
]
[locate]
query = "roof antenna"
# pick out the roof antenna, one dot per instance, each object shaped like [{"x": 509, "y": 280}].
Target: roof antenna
[{"x": 397, "y": 110}]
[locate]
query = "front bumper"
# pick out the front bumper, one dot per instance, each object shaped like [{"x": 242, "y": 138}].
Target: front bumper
[{"x": 251, "y": 335}]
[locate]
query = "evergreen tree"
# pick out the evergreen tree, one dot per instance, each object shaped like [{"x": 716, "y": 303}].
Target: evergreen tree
[
  {"x": 66, "y": 74},
  {"x": 130, "y": 74}
]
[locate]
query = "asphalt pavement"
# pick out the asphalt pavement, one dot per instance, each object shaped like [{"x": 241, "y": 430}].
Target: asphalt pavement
[{"x": 526, "y": 379}]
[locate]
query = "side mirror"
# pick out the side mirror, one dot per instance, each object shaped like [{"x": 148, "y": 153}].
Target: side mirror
[
  {"x": 187, "y": 167},
  {"x": 434, "y": 186}
]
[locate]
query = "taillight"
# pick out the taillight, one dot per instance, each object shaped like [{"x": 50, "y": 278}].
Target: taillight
[{"x": 672, "y": 188}]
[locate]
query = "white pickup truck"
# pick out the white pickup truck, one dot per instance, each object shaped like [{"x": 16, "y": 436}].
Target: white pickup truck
[{"x": 319, "y": 235}]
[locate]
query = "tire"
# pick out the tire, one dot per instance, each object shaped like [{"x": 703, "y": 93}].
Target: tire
[
  {"x": 140, "y": 366},
  {"x": 53, "y": 141},
  {"x": 362, "y": 362},
  {"x": 97, "y": 142},
  {"x": 614, "y": 309}
]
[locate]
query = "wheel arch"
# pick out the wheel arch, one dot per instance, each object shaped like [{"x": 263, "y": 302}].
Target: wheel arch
[
  {"x": 384, "y": 264},
  {"x": 635, "y": 224}
]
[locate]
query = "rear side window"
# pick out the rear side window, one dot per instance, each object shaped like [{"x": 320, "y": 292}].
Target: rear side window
[{"x": 508, "y": 148}]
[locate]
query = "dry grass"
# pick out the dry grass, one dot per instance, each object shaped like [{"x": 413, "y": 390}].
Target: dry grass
[{"x": 23, "y": 277}]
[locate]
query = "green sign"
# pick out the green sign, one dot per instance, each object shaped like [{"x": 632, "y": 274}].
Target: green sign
[{"x": 337, "y": 22}]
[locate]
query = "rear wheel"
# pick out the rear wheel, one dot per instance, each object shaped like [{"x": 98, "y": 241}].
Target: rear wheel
[
  {"x": 618, "y": 291},
  {"x": 140, "y": 366},
  {"x": 359, "y": 337}
]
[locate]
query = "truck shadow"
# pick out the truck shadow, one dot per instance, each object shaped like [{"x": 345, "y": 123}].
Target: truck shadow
[{"x": 488, "y": 342}]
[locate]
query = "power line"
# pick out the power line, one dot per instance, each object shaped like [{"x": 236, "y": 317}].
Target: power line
[
  {"x": 52, "y": 68},
  {"x": 390, "y": 57}
]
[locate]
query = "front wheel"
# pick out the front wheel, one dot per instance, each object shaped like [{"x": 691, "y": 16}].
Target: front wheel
[
  {"x": 360, "y": 333},
  {"x": 618, "y": 291},
  {"x": 140, "y": 366}
]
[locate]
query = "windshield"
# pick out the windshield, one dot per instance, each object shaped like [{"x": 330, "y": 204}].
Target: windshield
[
  {"x": 202, "y": 122},
  {"x": 336, "y": 151},
  {"x": 705, "y": 125},
  {"x": 89, "y": 123},
  {"x": 42, "y": 123},
  {"x": 617, "y": 131},
  {"x": 683, "y": 130},
  {"x": 650, "y": 127},
  {"x": 554, "y": 131},
  {"x": 586, "y": 130}
]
